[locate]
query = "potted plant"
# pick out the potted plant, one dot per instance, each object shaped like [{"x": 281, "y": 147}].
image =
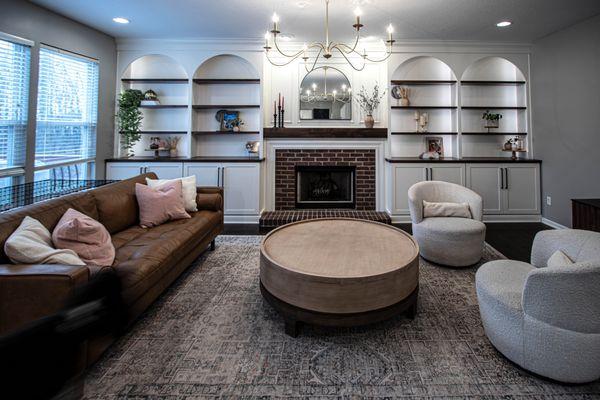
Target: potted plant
[
  {"x": 129, "y": 118},
  {"x": 369, "y": 103},
  {"x": 492, "y": 120}
]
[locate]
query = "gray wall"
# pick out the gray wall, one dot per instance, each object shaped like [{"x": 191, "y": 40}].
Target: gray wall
[
  {"x": 26, "y": 20},
  {"x": 565, "y": 93}
]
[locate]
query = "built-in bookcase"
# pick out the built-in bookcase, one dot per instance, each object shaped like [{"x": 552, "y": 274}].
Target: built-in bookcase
[
  {"x": 188, "y": 106},
  {"x": 455, "y": 107},
  {"x": 169, "y": 80}
]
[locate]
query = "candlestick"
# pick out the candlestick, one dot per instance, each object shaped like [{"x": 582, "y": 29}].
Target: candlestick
[{"x": 279, "y": 115}]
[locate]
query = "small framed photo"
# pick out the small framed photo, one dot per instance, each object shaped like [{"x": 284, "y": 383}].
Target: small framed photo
[
  {"x": 226, "y": 117},
  {"x": 434, "y": 144}
]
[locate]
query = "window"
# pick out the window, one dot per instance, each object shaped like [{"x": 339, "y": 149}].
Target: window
[
  {"x": 67, "y": 109},
  {"x": 14, "y": 98}
]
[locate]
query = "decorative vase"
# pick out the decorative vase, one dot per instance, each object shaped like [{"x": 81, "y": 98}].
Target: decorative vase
[
  {"x": 173, "y": 152},
  {"x": 236, "y": 128},
  {"x": 369, "y": 121},
  {"x": 404, "y": 102}
]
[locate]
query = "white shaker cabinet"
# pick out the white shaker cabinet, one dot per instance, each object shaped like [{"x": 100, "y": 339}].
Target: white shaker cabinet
[{"x": 129, "y": 169}]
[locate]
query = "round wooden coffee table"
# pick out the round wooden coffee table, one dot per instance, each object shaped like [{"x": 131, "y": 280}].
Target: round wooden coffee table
[{"x": 339, "y": 272}]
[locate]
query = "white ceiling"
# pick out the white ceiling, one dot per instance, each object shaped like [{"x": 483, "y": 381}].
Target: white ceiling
[{"x": 247, "y": 19}]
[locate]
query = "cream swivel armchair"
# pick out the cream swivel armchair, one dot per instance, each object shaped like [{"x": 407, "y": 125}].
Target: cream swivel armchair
[
  {"x": 452, "y": 241},
  {"x": 547, "y": 318}
]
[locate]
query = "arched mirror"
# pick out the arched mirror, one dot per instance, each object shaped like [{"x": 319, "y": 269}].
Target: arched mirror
[{"x": 325, "y": 93}]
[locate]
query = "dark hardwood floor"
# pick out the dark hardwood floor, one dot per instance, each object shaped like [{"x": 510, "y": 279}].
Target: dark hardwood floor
[{"x": 514, "y": 240}]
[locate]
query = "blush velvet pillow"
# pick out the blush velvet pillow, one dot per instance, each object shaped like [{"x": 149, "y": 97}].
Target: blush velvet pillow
[
  {"x": 159, "y": 205},
  {"x": 31, "y": 243},
  {"x": 86, "y": 237}
]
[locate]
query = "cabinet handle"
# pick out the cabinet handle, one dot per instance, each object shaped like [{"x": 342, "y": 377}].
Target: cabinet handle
[
  {"x": 506, "y": 179},
  {"x": 430, "y": 174},
  {"x": 426, "y": 174},
  {"x": 218, "y": 176},
  {"x": 222, "y": 176},
  {"x": 141, "y": 171},
  {"x": 501, "y": 178}
]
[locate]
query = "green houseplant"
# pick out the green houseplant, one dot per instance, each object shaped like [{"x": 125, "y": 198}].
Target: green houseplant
[
  {"x": 129, "y": 118},
  {"x": 492, "y": 120}
]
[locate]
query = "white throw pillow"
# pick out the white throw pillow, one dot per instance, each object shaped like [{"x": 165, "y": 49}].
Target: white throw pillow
[
  {"x": 31, "y": 243},
  {"x": 559, "y": 259},
  {"x": 460, "y": 210},
  {"x": 188, "y": 185}
]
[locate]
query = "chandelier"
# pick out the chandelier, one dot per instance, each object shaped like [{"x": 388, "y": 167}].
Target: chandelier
[
  {"x": 325, "y": 49},
  {"x": 312, "y": 95}
]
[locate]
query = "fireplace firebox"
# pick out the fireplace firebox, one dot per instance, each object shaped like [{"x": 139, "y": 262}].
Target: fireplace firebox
[{"x": 325, "y": 186}]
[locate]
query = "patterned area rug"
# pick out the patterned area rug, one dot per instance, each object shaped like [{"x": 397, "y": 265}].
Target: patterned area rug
[{"x": 211, "y": 335}]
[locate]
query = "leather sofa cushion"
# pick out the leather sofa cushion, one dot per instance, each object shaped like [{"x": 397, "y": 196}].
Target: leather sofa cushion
[
  {"x": 47, "y": 212},
  {"x": 209, "y": 201},
  {"x": 143, "y": 256},
  {"x": 117, "y": 204}
]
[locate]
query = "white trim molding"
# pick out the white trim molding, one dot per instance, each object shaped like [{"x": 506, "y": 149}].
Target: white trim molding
[
  {"x": 320, "y": 144},
  {"x": 553, "y": 224}
]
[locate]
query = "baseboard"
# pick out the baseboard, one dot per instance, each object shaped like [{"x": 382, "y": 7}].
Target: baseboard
[
  {"x": 242, "y": 219},
  {"x": 553, "y": 224}
]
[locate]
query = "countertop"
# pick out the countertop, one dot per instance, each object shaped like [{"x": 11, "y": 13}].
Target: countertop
[
  {"x": 462, "y": 160},
  {"x": 187, "y": 159}
]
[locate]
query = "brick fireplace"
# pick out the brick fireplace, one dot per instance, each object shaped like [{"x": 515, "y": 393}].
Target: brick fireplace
[{"x": 363, "y": 162}]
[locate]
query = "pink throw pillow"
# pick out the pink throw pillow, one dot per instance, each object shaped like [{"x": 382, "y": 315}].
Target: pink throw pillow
[
  {"x": 161, "y": 204},
  {"x": 86, "y": 237}
]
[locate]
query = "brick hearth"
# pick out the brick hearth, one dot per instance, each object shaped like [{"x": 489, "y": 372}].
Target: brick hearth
[
  {"x": 273, "y": 219},
  {"x": 285, "y": 178}
]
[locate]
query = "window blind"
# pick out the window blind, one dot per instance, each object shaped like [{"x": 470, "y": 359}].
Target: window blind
[
  {"x": 67, "y": 109},
  {"x": 14, "y": 98}
]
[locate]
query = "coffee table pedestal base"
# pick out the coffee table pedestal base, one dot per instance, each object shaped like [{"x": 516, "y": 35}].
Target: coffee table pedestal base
[{"x": 295, "y": 316}]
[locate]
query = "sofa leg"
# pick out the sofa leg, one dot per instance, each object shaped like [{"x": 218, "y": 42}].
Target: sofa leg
[{"x": 212, "y": 245}]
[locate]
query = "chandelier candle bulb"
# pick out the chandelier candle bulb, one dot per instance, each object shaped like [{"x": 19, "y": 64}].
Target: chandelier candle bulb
[{"x": 275, "y": 20}]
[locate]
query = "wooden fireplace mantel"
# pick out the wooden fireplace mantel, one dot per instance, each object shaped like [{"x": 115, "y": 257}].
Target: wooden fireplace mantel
[{"x": 320, "y": 133}]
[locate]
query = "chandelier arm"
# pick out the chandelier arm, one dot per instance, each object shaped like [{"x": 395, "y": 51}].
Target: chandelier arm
[
  {"x": 388, "y": 54},
  {"x": 293, "y": 56},
  {"x": 349, "y": 49},
  {"x": 277, "y": 64},
  {"x": 350, "y": 62},
  {"x": 314, "y": 63}
]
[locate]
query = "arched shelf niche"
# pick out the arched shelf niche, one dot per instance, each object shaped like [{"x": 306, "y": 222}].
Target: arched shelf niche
[
  {"x": 432, "y": 90},
  {"x": 225, "y": 82},
  {"x": 169, "y": 118},
  {"x": 495, "y": 84}
]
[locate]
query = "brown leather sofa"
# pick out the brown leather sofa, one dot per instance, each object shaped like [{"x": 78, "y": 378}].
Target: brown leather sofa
[{"x": 147, "y": 260}]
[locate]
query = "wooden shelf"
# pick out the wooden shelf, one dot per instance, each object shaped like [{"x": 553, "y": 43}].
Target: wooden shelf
[
  {"x": 224, "y": 106},
  {"x": 225, "y": 133},
  {"x": 492, "y": 83},
  {"x": 492, "y": 108},
  {"x": 312, "y": 133},
  {"x": 157, "y": 80},
  {"x": 424, "y": 107},
  {"x": 422, "y": 82},
  {"x": 226, "y": 81},
  {"x": 161, "y": 132},
  {"x": 496, "y": 133},
  {"x": 163, "y": 106},
  {"x": 423, "y": 133}
]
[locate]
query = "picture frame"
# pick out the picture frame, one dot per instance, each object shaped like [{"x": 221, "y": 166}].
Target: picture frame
[
  {"x": 434, "y": 144},
  {"x": 225, "y": 118}
]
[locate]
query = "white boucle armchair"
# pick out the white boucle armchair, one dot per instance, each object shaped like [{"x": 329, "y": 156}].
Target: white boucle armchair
[
  {"x": 547, "y": 319},
  {"x": 451, "y": 241}
]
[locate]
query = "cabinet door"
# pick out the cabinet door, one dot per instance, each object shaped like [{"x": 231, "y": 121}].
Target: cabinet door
[
  {"x": 522, "y": 194},
  {"x": 206, "y": 174},
  {"x": 241, "y": 183},
  {"x": 484, "y": 179},
  {"x": 453, "y": 173},
  {"x": 404, "y": 176},
  {"x": 122, "y": 170},
  {"x": 165, "y": 170}
]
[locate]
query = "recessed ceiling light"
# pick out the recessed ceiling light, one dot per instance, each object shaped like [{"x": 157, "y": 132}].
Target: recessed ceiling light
[
  {"x": 503, "y": 24},
  {"x": 120, "y": 20},
  {"x": 302, "y": 4}
]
